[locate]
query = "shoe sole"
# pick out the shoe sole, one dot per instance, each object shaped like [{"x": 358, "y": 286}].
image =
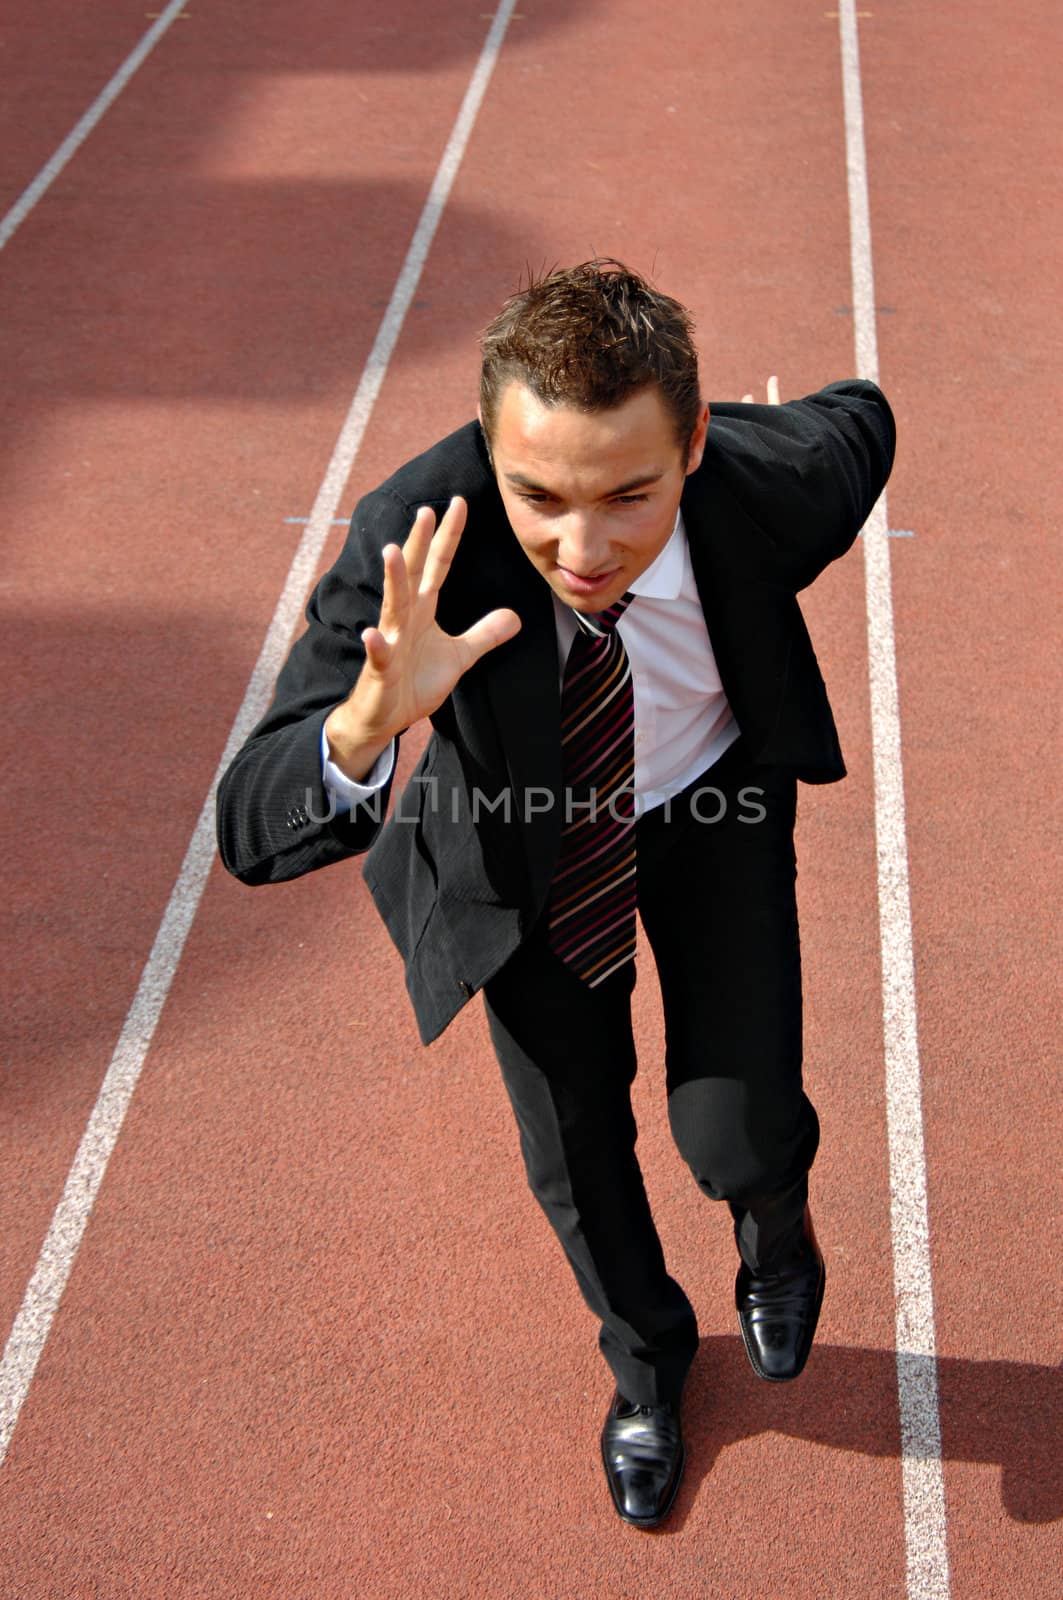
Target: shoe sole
[
  {"x": 649, "y": 1522},
  {"x": 788, "y": 1377}
]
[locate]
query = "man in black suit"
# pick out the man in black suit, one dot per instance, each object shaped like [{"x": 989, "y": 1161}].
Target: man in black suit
[{"x": 595, "y": 566}]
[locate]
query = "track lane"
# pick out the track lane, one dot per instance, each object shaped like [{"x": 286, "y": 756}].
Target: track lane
[
  {"x": 135, "y": 1478},
  {"x": 138, "y": 557},
  {"x": 969, "y": 260},
  {"x": 55, "y": 63}
]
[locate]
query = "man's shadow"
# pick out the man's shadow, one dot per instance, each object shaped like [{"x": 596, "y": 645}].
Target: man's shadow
[{"x": 1002, "y": 1412}]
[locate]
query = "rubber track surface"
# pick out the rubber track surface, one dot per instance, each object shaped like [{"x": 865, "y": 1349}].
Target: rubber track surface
[{"x": 318, "y": 1342}]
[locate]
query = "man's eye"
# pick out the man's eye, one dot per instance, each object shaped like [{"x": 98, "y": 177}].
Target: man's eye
[
  {"x": 631, "y": 499},
  {"x": 532, "y": 498}
]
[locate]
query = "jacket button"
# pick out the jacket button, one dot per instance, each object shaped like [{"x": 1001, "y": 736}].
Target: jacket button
[{"x": 466, "y": 988}]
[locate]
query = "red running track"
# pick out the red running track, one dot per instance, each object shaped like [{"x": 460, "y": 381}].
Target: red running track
[{"x": 317, "y": 1335}]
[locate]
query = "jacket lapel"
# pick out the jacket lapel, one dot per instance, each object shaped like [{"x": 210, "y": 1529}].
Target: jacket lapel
[
  {"x": 509, "y": 704},
  {"x": 749, "y": 620},
  {"x": 524, "y": 693}
]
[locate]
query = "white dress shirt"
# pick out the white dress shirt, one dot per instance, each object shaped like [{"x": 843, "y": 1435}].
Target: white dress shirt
[{"x": 683, "y": 722}]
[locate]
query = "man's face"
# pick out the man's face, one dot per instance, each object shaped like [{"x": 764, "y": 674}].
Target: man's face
[{"x": 591, "y": 496}]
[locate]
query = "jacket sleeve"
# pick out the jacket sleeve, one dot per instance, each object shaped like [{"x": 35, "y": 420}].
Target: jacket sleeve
[
  {"x": 807, "y": 473},
  {"x": 274, "y": 817}
]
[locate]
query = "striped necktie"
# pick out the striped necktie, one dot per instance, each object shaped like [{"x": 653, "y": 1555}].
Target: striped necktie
[{"x": 592, "y": 893}]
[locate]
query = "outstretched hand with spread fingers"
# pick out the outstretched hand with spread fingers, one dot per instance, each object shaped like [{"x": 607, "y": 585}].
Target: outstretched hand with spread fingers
[{"x": 411, "y": 665}]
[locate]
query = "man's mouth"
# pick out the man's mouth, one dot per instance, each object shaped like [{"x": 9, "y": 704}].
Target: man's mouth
[{"x": 589, "y": 584}]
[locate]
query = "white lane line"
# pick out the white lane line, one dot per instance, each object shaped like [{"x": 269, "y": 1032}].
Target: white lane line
[
  {"x": 77, "y": 136},
  {"x": 41, "y": 1301},
  {"x": 917, "y": 1385}
]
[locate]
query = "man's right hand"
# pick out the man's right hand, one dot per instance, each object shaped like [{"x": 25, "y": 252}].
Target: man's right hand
[{"x": 410, "y": 665}]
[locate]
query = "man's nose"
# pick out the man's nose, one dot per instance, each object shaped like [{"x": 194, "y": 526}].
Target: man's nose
[{"x": 582, "y": 547}]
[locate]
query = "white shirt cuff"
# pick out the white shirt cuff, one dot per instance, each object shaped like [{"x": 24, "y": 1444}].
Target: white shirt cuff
[{"x": 343, "y": 791}]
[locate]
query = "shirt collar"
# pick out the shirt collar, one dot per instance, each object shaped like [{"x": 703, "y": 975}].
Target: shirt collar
[{"x": 663, "y": 578}]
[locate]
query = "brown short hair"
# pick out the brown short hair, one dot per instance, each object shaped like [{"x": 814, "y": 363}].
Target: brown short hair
[{"x": 590, "y": 337}]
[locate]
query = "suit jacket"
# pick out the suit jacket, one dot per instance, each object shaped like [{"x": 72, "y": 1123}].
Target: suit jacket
[{"x": 461, "y": 870}]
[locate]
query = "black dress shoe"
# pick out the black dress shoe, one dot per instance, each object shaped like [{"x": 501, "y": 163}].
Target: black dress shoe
[
  {"x": 778, "y": 1311},
  {"x": 642, "y": 1448}
]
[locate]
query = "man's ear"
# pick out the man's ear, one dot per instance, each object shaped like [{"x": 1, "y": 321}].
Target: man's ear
[{"x": 697, "y": 440}]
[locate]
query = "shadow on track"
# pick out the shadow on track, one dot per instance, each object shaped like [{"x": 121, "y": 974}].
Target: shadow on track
[
  {"x": 279, "y": 300},
  {"x": 111, "y": 738},
  {"x": 396, "y": 36},
  {"x": 1002, "y": 1413}
]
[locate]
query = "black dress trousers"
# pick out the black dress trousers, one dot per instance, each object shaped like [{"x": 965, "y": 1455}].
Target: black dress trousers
[{"x": 716, "y": 894}]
